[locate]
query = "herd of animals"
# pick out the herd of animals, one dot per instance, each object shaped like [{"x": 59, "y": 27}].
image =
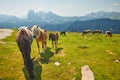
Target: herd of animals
[
  {"x": 108, "y": 33},
  {"x": 24, "y": 39}
]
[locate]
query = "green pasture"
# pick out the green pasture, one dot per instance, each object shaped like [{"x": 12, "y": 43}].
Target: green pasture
[{"x": 101, "y": 53}]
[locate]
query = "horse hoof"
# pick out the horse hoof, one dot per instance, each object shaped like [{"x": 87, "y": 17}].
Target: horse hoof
[
  {"x": 32, "y": 77},
  {"x": 43, "y": 51}
]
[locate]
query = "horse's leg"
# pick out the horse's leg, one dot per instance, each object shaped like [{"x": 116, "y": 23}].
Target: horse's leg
[
  {"x": 106, "y": 35},
  {"x": 38, "y": 46},
  {"x": 43, "y": 46},
  {"x": 55, "y": 44},
  {"x": 111, "y": 35},
  {"x": 52, "y": 44}
]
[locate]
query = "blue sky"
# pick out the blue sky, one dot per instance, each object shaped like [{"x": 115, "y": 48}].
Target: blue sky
[{"x": 60, "y": 7}]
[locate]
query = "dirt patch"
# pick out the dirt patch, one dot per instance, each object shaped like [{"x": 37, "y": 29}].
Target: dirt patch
[
  {"x": 5, "y": 32},
  {"x": 1, "y": 42},
  {"x": 109, "y": 52},
  {"x": 61, "y": 53}
]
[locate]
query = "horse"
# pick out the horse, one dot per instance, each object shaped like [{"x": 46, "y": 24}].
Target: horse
[
  {"x": 54, "y": 38},
  {"x": 24, "y": 39},
  {"x": 86, "y": 32},
  {"x": 97, "y": 31},
  {"x": 24, "y": 27},
  {"x": 40, "y": 35},
  {"x": 108, "y": 34},
  {"x": 63, "y": 33}
]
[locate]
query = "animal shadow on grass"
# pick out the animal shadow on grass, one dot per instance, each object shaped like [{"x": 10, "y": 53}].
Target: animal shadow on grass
[
  {"x": 37, "y": 71},
  {"x": 45, "y": 57},
  {"x": 83, "y": 47},
  {"x": 58, "y": 49}
]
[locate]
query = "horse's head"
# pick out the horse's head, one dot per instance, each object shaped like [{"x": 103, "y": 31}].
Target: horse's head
[
  {"x": 50, "y": 36},
  {"x": 36, "y": 31}
]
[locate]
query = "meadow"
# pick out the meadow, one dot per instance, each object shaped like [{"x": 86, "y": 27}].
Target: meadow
[{"x": 101, "y": 53}]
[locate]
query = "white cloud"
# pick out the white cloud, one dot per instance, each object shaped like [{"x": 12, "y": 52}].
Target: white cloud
[
  {"x": 111, "y": 9},
  {"x": 116, "y": 4}
]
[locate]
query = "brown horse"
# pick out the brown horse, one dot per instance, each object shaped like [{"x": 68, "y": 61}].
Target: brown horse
[
  {"x": 40, "y": 35},
  {"x": 54, "y": 38},
  {"x": 24, "y": 40},
  {"x": 108, "y": 34},
  {"x": 97, "y": 31},
  {"x": 86, "y": 32}
]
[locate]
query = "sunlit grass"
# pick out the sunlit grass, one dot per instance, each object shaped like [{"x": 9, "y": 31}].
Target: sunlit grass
[{"x": 73, "y": 51}]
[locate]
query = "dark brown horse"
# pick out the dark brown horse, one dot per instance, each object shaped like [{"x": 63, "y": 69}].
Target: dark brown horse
[
  {"x": 24, "y": 40},
  {"x": 54, "y": 38},
  {"x": 41, "y": 36},
  {"x": 97, "y": 31},
  {"x": 62, "y": 33},
  {"x": 108, "y": 34}
]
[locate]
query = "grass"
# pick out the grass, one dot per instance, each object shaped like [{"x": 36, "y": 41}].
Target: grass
[{"x": 73, "y": 52}]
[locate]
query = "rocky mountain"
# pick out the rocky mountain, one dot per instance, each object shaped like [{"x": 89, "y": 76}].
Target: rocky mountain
[
  {"x": 52, "y": 21},
  {"x": 49, "y": 17}
]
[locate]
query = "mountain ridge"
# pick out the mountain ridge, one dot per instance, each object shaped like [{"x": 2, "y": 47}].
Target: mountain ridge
[{"x": 54, "y": 22}]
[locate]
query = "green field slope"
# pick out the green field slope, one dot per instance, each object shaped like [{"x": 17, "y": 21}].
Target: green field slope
[{"x": 101, "y": 53}]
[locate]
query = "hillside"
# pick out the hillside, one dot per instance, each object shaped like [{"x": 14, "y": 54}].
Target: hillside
[
  {"x": 101, "y": 53},
  {"x": 102, "y": 14},
  {"x": 51, "y": 21},
  {"x": 97, "y": 24}
]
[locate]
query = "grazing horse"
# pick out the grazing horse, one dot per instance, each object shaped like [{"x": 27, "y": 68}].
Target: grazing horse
[
  {"x": 63, "y": 33},
  {"x": 24, "y": 40},
  {"x": 97, "y": 31},
  {"x": 86, "y": 32},
  {"x": 40, "y": 35},
  {"x": 54, "y": 38},
  {"x": 108, "y": 34}
]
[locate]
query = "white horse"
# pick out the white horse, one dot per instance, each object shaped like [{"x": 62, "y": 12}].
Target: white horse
[{"x": 40, "y": 35}]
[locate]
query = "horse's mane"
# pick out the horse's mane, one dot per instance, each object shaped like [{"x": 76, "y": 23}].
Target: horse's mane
[{"x": 36, "y": 29}]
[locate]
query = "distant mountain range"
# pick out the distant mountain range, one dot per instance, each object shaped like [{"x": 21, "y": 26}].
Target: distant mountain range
[
  {"x": 50, "y": 17},
  {"x": 96, "y": 24},
  {"x": 50, "y": 21}
]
